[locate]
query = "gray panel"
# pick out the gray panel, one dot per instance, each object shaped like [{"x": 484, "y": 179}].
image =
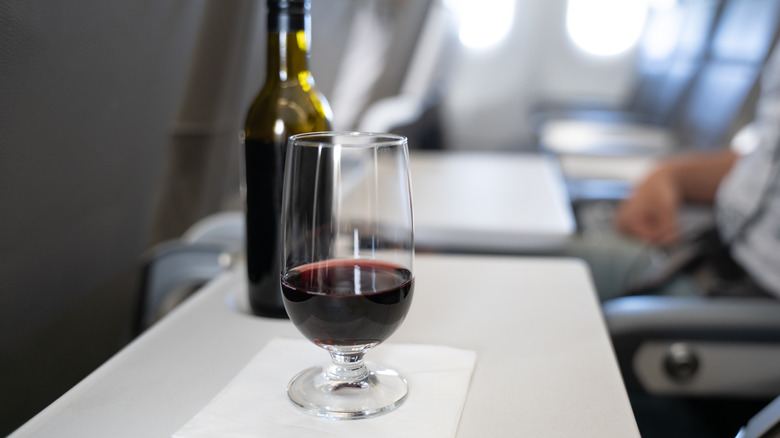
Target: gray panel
[{"x": 87, "y": 95}]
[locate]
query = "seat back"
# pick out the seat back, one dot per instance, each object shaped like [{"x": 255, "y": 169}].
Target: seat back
[
  {"x": 671, "y": 51},
  {"x": 725, "y": 89}
]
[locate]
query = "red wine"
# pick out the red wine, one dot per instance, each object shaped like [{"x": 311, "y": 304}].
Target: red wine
[{"x": 348, "y": 302}]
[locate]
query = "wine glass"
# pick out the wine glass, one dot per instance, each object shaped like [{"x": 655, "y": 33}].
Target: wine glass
[{"x": 347, "y": 265}]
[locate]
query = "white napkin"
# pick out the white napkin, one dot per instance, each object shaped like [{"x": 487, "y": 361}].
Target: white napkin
[{"x": 255, "y": 404}]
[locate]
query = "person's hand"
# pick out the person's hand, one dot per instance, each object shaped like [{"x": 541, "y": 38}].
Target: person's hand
[{"x": 650, "y": 214}]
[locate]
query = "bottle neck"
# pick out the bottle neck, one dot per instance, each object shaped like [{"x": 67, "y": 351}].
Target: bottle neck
[{"x": 289, "y": 39}]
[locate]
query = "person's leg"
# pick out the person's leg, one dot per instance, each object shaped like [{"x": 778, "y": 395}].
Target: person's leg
[{"x": 613, "y": 260}]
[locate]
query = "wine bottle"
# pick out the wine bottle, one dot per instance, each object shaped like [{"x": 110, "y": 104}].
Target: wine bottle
[{"x": 287, "y": 104}]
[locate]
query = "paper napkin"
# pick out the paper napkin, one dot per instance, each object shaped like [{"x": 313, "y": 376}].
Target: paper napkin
[{"x": 255, "y": 404}]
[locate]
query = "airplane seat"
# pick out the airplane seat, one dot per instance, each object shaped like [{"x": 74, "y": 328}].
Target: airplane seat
[
  {"x": 696, "y": 366},
  {"x": 414, "y": 108},
  {"x": 171, "y": 271},
  {"x": 714, "y": 104},
  {"x": 670, "y": 51}
]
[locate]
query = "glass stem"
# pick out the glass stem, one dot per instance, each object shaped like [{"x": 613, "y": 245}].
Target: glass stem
[{"x": 347, "y": 367}]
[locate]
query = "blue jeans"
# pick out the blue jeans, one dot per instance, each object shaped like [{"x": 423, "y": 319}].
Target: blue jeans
[{"x": 615, "y": 261}]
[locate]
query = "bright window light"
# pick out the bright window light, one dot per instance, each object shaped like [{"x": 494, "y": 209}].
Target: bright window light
[
  {"x": 662, "y": 29},
  {"x": 482, "y": 23},
  {"x": 663, "y": 5},
  {"x": 605, "y": 27}
]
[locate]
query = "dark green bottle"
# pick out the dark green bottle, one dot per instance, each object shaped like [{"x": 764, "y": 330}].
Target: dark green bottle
[{"x": 287, "y": 104}]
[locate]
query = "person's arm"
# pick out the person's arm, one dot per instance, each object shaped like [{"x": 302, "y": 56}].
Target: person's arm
[{"x": 650, "y": 214}]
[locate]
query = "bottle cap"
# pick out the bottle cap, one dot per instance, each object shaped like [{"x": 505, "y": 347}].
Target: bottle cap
[
  {"x": 290, "y": 6},
  {"x": 288, "y": 15}
]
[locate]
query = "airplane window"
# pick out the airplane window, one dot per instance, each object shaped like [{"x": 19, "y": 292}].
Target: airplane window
[
  {"x": 482, "y": 23},
  {"x": 605, "y": 27}
]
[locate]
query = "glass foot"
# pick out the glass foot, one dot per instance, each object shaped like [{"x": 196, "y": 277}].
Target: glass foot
[{"x": 318, "y": 391}]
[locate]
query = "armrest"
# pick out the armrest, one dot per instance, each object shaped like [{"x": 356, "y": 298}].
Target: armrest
[
  {"x": 702, "y": 318},
  {"x": 171, "y": 271},
  {"x": 697, "y": 346}
]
